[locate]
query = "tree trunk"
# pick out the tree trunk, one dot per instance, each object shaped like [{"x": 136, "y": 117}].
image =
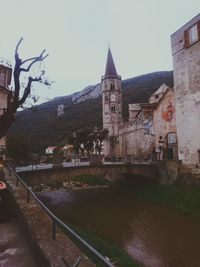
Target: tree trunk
[{"x": 6, "y": 121}]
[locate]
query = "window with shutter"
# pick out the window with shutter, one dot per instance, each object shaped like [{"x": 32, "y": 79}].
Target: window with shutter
[
  {"x": 192, "y": 35},
  {"x": 186, "y": 41},
  {"x": 198, "y": 27}
]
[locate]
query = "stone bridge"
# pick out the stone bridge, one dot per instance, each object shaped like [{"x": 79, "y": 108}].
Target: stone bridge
[{"x": 110, "y": 172}]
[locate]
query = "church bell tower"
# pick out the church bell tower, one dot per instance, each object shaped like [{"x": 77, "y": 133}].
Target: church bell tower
[{"x": 112, "y": 105}]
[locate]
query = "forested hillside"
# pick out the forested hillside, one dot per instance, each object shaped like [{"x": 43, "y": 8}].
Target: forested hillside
[{"x": 42, "y": 126}]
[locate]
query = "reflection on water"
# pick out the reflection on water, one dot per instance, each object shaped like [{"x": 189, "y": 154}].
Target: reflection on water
[{"x": 153, "y": 234}]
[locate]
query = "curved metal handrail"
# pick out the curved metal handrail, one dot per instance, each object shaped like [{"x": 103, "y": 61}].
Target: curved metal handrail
[{"x": 57, "y": 221}]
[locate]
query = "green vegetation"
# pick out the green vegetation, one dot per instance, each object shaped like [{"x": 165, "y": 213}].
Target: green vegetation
[
  {"x": 48, "y": 129},
  {"x": 90, "y": 179},
  {"x": 113, "y": 252},
  {"x": 19, "y": 148},
  {"x": 182, "y": 197}
]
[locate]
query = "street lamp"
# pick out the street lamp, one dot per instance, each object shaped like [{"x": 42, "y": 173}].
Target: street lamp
[
  {"x": 96, "y": 130},
  {"x": 75, "y": 148}
]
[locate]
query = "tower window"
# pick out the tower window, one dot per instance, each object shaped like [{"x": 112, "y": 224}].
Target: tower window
[
  {"x": 113, "y": 108},
  {"x": 112, "y": 86},
  {"x": 106, "y": 98}
]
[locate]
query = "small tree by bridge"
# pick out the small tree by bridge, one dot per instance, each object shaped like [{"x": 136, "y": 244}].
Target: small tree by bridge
[
  {"x": 86, "y": 141},
  {"x": 97, "y": 137}
]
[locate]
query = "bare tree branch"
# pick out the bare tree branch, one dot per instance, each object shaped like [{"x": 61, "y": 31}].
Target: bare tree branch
[
  {"x": 14, "y": 101},
  {"x": 17, "y": 47},
  {"x": 32, "y": 58},
  {"x": 40, "y": 58},
  {"x": 27, "y": 90}
]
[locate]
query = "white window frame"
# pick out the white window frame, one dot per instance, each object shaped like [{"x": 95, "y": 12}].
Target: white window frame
[{"x": 193, "y": 34}]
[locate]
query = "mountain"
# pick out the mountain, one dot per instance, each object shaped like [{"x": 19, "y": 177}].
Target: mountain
[
  {"x": 43, "y": 127},
  {"x": 91, "y": 91}
]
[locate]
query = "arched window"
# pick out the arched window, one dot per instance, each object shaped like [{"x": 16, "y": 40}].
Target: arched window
[
  {"x": 106, "y": 98},
  {"x": 112, "y": 86},
  {"x": 113, "y": 108}
]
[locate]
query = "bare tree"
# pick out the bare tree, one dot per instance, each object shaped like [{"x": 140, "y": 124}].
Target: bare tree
[{"x": 19, "y": 95}]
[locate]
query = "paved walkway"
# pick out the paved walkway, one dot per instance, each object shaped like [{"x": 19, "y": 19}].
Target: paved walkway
[{"x": 14, "y": 249}]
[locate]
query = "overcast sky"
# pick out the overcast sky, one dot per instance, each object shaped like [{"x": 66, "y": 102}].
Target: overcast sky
[{"x": 76, "y": 33}]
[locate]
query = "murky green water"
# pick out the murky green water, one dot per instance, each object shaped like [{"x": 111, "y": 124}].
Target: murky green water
[{"x": 155, "y": 235}]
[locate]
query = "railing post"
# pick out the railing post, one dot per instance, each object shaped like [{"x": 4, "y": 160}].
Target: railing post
[
  {"x": 28, "y": 196},
  {"x": 17, "y": 181},
  {"x": 53, "y": 229},
  {"x": 56, "y": 220}
]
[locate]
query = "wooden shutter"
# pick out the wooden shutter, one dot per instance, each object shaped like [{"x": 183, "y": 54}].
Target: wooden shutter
[
  {"x": 198, "y": 27},
  {"x": 186, "y": 38}
]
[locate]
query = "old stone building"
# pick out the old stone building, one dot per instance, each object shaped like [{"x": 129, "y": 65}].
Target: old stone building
[
  {"x": 168, "y": 126},
  {"x": 112, "y": 105},
  {"x": 5, "y": 79},
  {"x": 150, "y": 132},
  {"x": 186, "y": 64}
]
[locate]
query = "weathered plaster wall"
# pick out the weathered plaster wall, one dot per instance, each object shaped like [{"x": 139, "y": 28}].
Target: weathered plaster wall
[
  {"x": 164, "y": 117},
  {"x": 3, "y": 104},
  {"x": 140, "y": 136},
  {"x": 186, "y": 62},
  {"x": 136, "y": 137},
  {"x": 3, "y": 99},
  {"x": 111, "y": 118}
]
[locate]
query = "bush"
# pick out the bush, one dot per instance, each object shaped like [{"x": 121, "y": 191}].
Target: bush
[{"x": 90, "y": 179}]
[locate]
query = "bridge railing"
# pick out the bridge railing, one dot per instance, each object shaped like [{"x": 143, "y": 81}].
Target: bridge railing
[
  {"x": 57, "y": 222},
  {"x": 128, "y": 159}
]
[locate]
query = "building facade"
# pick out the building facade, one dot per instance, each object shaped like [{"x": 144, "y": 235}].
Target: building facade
[
  {"x": 185, "y": 45},
  {"x": 150, "y": 132},
  {"x": 111, "y": 105},
  {"x": 5, "y": 79},
  {"x": 168, "y": 126}
]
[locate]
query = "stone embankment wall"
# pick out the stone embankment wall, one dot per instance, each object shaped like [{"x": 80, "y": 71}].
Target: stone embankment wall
[
  {"x": 38, "y": 226},
  {"x": 168, "y": 171},
  {"x": 189, "y": 174},
  {"x": 109, "y": 172},
  {"x": 164, "y": 171},
  {"x": 172, "y": 171}
]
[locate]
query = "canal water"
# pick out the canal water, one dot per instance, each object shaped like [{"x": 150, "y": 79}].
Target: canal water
[{"x": 153, "y": 234}]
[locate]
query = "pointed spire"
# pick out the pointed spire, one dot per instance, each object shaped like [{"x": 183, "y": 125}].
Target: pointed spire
[{"x": 110, "y": 65}]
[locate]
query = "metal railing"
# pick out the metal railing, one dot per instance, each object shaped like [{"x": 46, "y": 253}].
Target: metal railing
[{"x": 56, "y": 221}]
